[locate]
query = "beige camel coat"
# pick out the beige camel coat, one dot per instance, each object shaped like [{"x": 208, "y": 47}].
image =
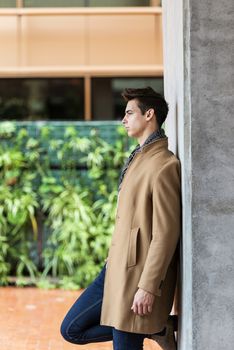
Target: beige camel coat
[{"x": 143, "y": 248}]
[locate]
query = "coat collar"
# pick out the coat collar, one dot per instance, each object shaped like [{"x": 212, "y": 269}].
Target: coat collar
[
  {"x": 155, "y": 146},
  {"x": 152, "y": 145}
]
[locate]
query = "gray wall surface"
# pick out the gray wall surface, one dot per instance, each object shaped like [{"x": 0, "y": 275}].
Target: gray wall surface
[{"x": 205, "y": 143}]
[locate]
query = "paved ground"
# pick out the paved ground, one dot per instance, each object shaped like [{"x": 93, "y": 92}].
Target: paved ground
[{"x": 30, "y": 320}]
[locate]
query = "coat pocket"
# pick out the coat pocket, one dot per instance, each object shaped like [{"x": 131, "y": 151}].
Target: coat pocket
[{"x": 132, "y": 246}]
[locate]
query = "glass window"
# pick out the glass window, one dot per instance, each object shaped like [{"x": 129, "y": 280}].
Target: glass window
[
  {"x": 87, "y": 3},
  {"x": 63, "y": 98},
  {"x": 54, "y": 3},
  {"x": 115, "y": 3},
  {"x": 42, "y": 99},
  {"x": 79, "y": 3},
  {"x": 107, "y": 102},
  {"x": 7, "y": 3}
]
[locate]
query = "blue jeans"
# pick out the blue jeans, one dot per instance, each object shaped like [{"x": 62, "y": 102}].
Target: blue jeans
[{"x": 81, "y": 325}]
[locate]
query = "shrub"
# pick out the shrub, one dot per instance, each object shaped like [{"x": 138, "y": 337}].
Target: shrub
[{"x": 57, "y": 204}]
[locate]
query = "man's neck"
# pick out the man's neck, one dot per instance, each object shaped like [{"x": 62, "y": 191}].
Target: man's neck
[{"x": 141, "y": 140}]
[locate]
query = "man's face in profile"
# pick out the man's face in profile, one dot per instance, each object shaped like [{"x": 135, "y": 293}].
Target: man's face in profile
[{"x": 134, "y": 121}]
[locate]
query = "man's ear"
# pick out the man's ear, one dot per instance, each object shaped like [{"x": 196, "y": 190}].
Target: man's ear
[{"x": 150, "y": 114}]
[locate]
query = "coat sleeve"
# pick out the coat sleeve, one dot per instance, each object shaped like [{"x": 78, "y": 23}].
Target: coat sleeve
[{"x": 166, "y": 226}]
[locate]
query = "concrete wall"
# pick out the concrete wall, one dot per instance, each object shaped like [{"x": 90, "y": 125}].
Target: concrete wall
[
  {"x": 178, "y": 132},
  {"x": 205, "y": 139}
]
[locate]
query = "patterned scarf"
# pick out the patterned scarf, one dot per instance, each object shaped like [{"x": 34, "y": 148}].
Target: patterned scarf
[{"x": 158, "y": 134}]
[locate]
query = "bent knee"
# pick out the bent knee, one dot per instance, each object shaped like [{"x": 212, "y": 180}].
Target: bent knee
[
  {"x": 71, "y": 335},
  {"x": 64, "y": 331}
]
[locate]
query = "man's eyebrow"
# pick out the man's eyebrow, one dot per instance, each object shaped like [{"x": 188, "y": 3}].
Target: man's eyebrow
[{"x": 128, "y": 110}]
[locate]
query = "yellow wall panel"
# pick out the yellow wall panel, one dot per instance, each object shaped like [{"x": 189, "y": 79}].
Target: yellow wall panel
[
  {"x": 53, "y": 40},
  {"x": 8, "y": 41},
  {"x": 97, "y": 41},
  {"x": 125, "y": 39}
]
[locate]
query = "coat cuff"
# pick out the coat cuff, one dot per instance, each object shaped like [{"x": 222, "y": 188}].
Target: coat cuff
[{"x": 155, "y": 291}]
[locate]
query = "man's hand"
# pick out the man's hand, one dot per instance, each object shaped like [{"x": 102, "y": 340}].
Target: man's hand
[{"x": 143, "y": 302}]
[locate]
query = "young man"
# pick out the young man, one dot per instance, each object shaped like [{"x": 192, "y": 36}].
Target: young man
[{"x": 132, "y": 296}]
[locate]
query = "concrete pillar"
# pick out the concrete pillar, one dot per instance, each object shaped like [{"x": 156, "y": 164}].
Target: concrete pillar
[{"x": 199, "y": 86}]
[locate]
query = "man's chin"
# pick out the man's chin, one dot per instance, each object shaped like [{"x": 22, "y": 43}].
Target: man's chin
[{"x": 130, "y": 133}]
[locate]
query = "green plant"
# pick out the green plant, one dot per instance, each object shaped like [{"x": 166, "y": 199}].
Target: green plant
[
  {"x": 18, "y": 204},
  {"x": 77, "y": 202}
]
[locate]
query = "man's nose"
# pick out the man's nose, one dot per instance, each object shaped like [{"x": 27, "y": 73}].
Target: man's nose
[{"x": 124, "y": 119}]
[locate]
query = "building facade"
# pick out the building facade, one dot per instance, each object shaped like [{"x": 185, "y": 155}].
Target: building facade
[{"x": 69, "y": 60}]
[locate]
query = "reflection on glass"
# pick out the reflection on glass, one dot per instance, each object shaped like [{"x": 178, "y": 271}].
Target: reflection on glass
[
  {"x": 7, "y": 3},
  {"x": 63, "y": 98},
  {"x": 85, "y": 3},
  {"x": 107, "y": 102},
  {"x": 42, "y": 99}
]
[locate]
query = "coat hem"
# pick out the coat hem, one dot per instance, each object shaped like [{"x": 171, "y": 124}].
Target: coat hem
[{"x": 131, "y": 329}]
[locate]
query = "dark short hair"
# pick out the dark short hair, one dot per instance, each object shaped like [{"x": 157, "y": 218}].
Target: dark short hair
[{"x": 148, "y": 98}]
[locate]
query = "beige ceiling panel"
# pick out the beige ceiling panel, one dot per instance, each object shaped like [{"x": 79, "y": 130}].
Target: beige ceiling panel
[
  {"x": 125, "y": 39},
  {"x": 53, "y": 40},
  {"x": 158, "y": 39},
  {"x": 8, "y": 41}
]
